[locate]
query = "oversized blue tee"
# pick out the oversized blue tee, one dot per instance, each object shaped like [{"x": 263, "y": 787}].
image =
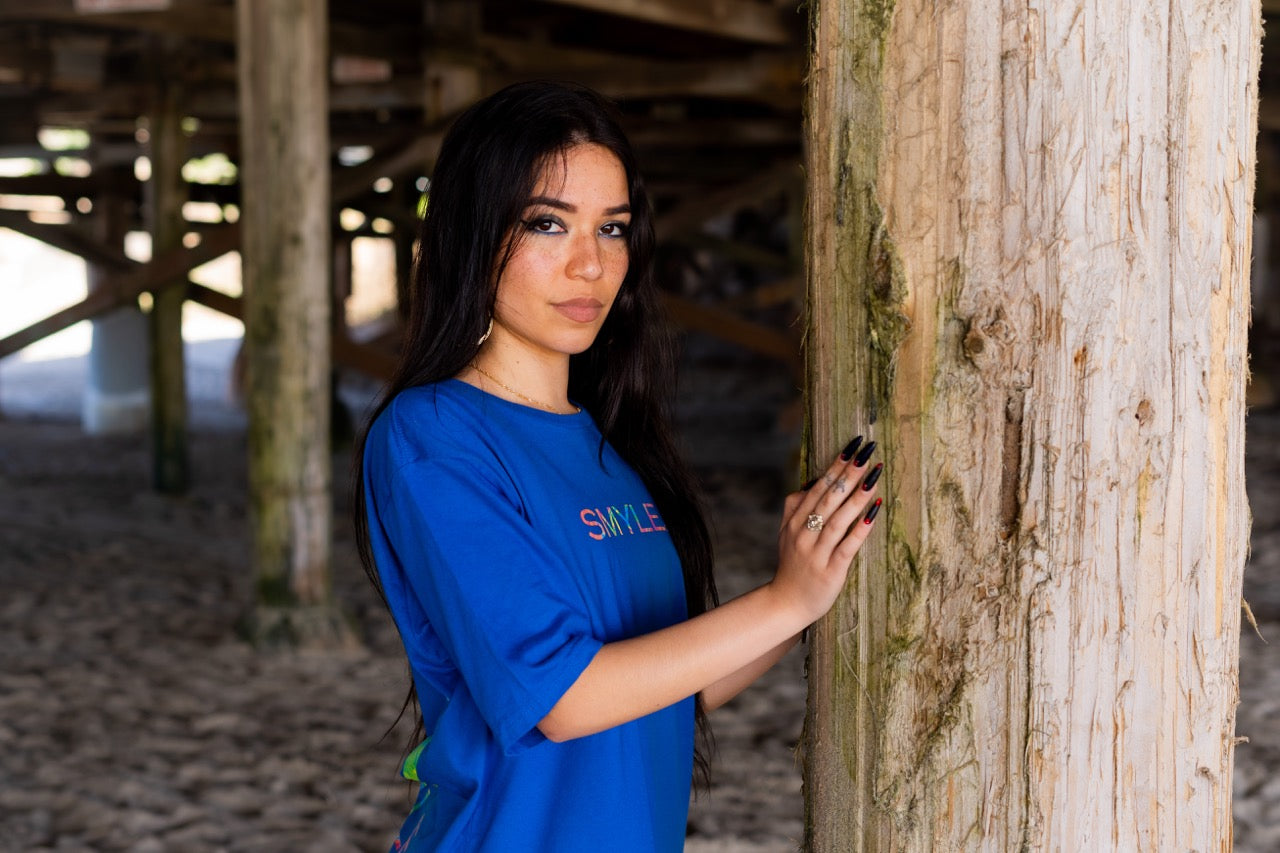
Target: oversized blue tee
[{"x": 510, "y": 550}]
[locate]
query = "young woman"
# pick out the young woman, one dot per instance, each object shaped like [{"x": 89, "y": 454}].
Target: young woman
[{"x": 524, "y": 513}]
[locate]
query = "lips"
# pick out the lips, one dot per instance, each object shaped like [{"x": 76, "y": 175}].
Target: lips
[{"x": 584, "y": 310}]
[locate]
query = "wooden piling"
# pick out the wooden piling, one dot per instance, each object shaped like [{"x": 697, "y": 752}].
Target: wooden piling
[
  {"x": 283, "y": 77},
  {"x": 166, "y": 193}
]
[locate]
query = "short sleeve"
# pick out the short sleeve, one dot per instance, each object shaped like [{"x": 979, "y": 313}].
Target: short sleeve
[{"x": 500, "y": 601}]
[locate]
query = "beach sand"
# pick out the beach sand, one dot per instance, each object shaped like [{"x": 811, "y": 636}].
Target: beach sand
[{"x": 133, "y": 717}]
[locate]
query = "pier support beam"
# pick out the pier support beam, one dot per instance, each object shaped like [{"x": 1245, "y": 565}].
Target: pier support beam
[{"x": 284, "y": 170}]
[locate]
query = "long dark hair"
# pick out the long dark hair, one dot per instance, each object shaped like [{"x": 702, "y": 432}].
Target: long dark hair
[{"x": 489, "y": 163}]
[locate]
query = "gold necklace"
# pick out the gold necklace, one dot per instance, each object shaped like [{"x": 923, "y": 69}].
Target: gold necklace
[{"x": 507, "y": 387}]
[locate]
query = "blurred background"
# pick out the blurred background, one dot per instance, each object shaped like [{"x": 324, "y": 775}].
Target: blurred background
[{"x": 134, "y": 713}]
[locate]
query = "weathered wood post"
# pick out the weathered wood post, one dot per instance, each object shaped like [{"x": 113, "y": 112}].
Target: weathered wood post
[
  {"x": 166, "y": 193},
  {"x": 1028, "y": 280},
  {"x": 284, "y": 176}
]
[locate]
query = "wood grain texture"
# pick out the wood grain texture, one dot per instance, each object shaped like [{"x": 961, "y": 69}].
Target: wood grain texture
[
  {"x": 1040, "y": 652},
  {"x": 166, "y": 193},
  {"x": 286, "y": 245}
]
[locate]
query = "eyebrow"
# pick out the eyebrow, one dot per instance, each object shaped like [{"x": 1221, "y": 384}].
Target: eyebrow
[{"x": 556, "y": 203}]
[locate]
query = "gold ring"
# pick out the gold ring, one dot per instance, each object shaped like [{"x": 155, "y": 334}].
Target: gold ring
[{"x": 815, "y": 522}]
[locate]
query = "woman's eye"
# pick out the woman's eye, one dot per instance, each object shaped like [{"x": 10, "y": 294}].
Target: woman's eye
[
  {"x": 614, "y": 229},
  {"x": 543, "y": 225}
]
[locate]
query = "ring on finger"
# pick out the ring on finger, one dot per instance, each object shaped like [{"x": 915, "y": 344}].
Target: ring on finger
[{"x": 815, "y": 522}]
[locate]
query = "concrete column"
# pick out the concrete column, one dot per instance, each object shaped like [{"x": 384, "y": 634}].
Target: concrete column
[{"x": 117, "y": 396}]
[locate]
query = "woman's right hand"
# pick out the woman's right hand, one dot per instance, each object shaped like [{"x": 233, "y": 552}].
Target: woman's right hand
[
  {"x": 719, "y": 652},
  {"x": 823, "y": 526}
]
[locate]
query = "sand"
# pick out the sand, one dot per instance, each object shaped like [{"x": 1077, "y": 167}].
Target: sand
[{"x": 133, "y": 717}]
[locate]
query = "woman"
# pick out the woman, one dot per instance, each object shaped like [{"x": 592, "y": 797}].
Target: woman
[{"x": 525, "y": 514}]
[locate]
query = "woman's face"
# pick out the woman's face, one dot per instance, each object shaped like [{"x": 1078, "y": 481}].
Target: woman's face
[{"x": 570, "y": 257}]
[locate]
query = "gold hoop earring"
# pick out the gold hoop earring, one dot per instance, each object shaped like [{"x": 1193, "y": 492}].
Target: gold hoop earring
[{"x": 487, "y": 332}]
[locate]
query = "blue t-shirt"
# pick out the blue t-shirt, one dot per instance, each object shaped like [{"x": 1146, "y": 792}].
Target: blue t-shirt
[{"x": 510, "y": 551}]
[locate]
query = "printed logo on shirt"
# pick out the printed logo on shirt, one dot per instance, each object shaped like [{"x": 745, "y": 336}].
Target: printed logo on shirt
[{"x": 626, "y": 520}]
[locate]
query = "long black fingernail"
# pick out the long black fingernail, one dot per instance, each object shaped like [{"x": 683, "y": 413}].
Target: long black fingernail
[
  {"x": 864, "y": 455},
  {"x": 808, "y": 485},
  {"x": 872, "y": 477},
  {"x": 850, "y": 448},
  {"x": 871, "y": 513}
]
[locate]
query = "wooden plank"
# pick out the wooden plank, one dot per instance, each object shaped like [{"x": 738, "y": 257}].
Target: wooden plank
[
  {"x": 161, "y": 272},
  {"x": 68, "y": 238},
  {"x": 370, "y": 360},
  {"x": 211, "y": 24},
  {"x": 741, "y": 20},
  {"x": 85, "y": 108},
  {"x": 772, "y": 77},
  {"x": 401, "y": 92},
  {"x": 107, "y": 299},
  {"x": 690, "y": 215},
  {"x": 48, "y": 10},
  {"x": 88, "y": 187},
  {"x": 216, "y": 300},
  {"x": 735, "y": 132},
  {"x": 167, "y": 267},
  {"x": 729, "y": 327},
  {"x": 400, "y": 40},
  {"x": 98, "y": 6},
  {"x": 202, "y": 21}
]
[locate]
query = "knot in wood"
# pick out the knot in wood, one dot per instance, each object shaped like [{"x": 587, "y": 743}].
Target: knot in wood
[{"x": 974, "y": 343}]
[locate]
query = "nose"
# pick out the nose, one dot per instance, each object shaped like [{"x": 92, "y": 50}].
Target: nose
[{"x": 584, "y": 259}]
